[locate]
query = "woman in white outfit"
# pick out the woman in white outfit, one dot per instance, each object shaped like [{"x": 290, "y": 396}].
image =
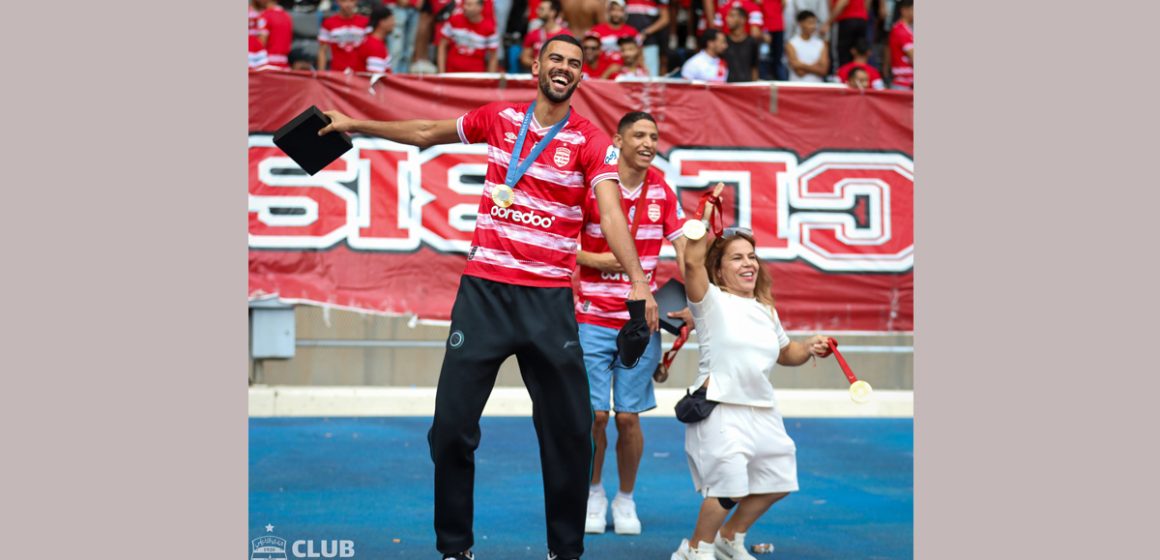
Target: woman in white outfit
[{"x": 740, "y": 457}]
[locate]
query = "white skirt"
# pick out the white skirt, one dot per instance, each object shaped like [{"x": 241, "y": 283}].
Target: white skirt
[{"x": 741, "y": 450}]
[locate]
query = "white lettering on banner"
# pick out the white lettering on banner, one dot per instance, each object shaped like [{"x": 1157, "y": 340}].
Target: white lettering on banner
[{"x": 839, "y": 211}]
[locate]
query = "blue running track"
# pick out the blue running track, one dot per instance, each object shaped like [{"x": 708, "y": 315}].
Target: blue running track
[{"x": 369, "y": 480}]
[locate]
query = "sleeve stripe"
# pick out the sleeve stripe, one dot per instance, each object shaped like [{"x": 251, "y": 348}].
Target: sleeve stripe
[{"x": 459, "y": 129}]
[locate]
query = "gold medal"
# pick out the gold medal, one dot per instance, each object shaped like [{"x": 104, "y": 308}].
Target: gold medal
[
  {"x": 860, "y": 392},
  {"x": 694, "y": 229},
  {"x": 503, "y": 196}
]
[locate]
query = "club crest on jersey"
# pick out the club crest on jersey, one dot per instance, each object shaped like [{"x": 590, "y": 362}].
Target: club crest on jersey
[
  {"x": 563, "y": 155},
  {"x": 611, "y": 155},
  {"x": 654, "y": 211},
  {"x": 509, "y": 137}
]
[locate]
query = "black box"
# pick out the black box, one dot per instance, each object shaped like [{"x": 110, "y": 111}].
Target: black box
[
  {"x": 300, "y": 140},
  {"x": 671, "y": 297}
]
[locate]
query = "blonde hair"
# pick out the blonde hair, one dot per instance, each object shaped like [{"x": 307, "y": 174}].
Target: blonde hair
[{"x": 763, "y": 290}]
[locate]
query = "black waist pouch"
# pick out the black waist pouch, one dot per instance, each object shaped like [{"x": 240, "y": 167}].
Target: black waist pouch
[{"x": 695, "y": 406}]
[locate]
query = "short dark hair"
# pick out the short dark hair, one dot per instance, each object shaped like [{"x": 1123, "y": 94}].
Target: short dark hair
[
  {"x": 630, "y": 118},
  {"x": 805, "y": 14},
  {"x": 625, "y": 39},
  {"x": 906, "y": 4},
  {"x": 556, "y": 5},
  {"x": 855, "y": 70},
  {"x": 709, "y": 36},
  {"x": 744, "y": 14},
  {"x": 379, "y": 14},
  {"x": 563, "y": 37}
]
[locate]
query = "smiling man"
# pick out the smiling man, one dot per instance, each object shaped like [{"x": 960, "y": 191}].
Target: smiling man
[
  {"x": 515, "y": 296},
  {"x": 655, "y": 214}
]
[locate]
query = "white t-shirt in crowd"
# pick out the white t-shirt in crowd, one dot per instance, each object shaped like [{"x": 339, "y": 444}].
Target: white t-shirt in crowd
[
  {"x": 808, "y": 51},
  {"x": 740, "y": 340},
  {"x": 701, "y": 66}
]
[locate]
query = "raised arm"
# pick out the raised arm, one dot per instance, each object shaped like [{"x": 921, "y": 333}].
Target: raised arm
[
  {"x": 421, "y": 133},
  {"x": 696, "y": 277},
  {"x": 615, "y": 229}
]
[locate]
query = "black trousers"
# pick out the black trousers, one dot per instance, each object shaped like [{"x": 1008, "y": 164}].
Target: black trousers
[
  {"x": 849, "y": 30},
  {"x": 489, "y": 322}
]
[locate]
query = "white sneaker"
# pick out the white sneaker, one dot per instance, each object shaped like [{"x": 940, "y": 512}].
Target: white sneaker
[
  {"x": 624, "y": 519},
  {"x": 702, "y": 552},
  {"x": 732, "y": 549},
  {"x": 597, "y": 514}
]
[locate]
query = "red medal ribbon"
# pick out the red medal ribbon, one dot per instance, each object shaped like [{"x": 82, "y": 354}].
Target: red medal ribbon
[
  {"x": 841, "y": 361},
  {"x": 716, "y": 221},
  {"x": 671, "y": 354}
]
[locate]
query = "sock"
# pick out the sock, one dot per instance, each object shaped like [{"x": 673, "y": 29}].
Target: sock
[
  {"x": 596, "y": 489},
  {"x": 622, "y": 496}
]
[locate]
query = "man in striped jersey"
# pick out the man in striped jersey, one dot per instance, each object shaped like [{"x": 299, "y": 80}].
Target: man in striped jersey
[
  {"x": 654, "y": 214},
  {"x": 515, "y": 296}
]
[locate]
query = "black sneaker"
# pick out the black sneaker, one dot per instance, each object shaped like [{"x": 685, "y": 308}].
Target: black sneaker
[
  {"x": 460, "y": 556},
  {"x": 552, "y": 556}
]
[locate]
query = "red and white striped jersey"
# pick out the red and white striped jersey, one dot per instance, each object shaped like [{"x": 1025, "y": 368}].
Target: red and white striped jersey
[
  {"x": 343, "y": 35},
  {"x": 533, "y": 242},
  {"x": 602, "y": 294},
  {"x": 373, "y": 56},
  {"x": 469, "y": 43},
  {"x": 609, "y": 36},
  {"x": 257, "y": 33},
  {"x": 650, "y": 8},
  {"x": 901, "y": 66},
  {"x": 281, "y": 30}
]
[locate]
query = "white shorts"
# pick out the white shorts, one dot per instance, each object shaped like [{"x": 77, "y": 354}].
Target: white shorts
[{"x": 741, "y": 450}]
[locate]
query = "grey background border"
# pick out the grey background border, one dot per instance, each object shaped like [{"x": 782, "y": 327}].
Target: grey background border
[{"x": 125, "y": 240}]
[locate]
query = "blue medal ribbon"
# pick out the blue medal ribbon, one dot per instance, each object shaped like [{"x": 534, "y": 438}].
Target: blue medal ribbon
[{"x": 516, "y": 167}]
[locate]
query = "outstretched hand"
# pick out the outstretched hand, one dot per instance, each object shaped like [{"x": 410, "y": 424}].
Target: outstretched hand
[{"x": 338, "y": 123}]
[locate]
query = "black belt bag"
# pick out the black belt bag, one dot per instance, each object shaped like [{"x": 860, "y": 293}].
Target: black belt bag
[{"x": 694, "y": 407}]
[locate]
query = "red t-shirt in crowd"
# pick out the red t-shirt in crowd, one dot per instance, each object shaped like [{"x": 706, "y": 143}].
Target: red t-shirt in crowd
[
  {"x": 856, "y": 9},
  {"x": 344, "y": 35},
  {"x": 609, "y": 36},
  {"x": 872, "y": 72},
  {"x": 372, "y": 56},
  {"x": 772, "y": 16},
  {"x": 533, "y": 241},
  {"x": 257, "y": 30},
  {"x": 901, "y": 66},
  {"x": 756, "y": 17},
  {"x": 281, "y": 34},
  {"x": 469, "y": 43},
  {"x": 605, "y": 60},
  {"x": 602, "y": 294},
  {"x": 536, "y": 38}
]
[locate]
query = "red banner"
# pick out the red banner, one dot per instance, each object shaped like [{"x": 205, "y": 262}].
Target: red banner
[{"x": 824, "y": 177}]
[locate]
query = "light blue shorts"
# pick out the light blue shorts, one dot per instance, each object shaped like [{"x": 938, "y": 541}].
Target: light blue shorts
[{"x": 632, "y": 388}]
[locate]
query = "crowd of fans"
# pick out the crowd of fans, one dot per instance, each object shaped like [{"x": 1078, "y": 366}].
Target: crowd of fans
[{"x": 862, "y": 43}]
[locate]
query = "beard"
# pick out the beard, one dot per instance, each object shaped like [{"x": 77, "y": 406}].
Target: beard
[{"x": 546, "y": 89}]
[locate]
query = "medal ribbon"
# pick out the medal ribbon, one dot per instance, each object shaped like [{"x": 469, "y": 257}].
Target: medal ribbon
[
  {"x": 841, "y": 361},
  {"x": 516, "y": 167},
  {"x": 716, "y": 221},
  {"x": 671, "y": 354}
]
